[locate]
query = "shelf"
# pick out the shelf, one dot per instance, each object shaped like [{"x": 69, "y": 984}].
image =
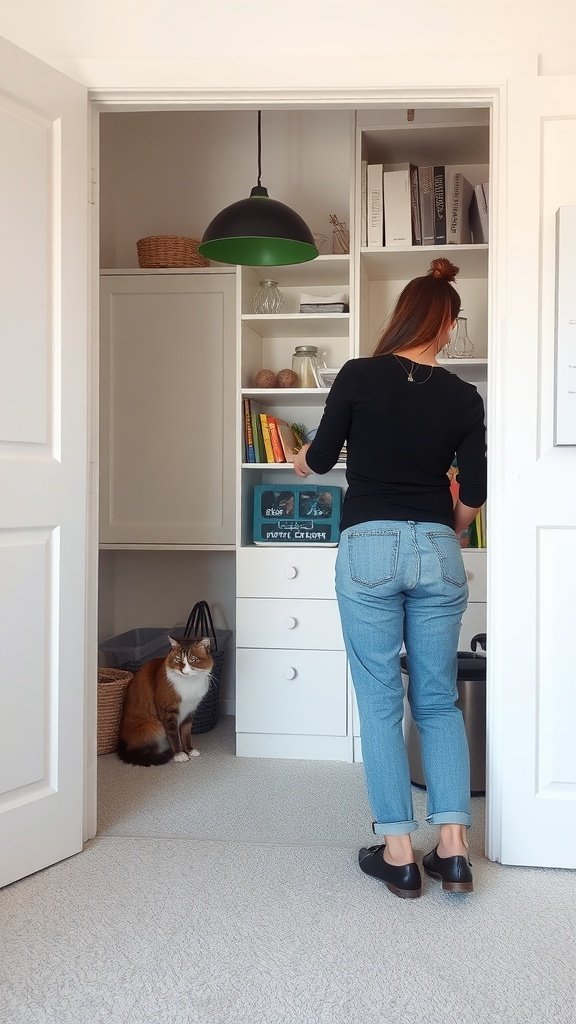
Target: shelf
[
  {"x": 414, "y": 261},
  {"x": 298, "y": 325},
  {"x": 322, "y": 270},
  {"x": 475, "y": 370},
  {"x": 167, "y": 547},
  {"x": 287, "y": 396},
  {"x": 282, "y": 465},
  {"x": 142, "y": 271},
  {"x": 446, "y": 144}
]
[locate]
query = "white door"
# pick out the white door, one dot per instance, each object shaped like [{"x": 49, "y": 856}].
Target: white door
[
  {"x": 43, "y": 435},
  {"x": 532, "y": 662}
]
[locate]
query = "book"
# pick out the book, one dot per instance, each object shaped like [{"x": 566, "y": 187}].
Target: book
[
  {"x": 439, "y": 206},
  {"x": 483, "y": 525},
  {"x": 248, "y": 437},
  {"x": 459, "y": 194},
  {"x": 479, "y": 214},
  {"x": 275, "y": 441},
  {"x": 258, "y": 439},
  {"x": 266, "y": 438},
  {"x": 397, "y": 205},
  {"x": 375, "y": 208},
  {"x": 426, "y": 189},
  {"x": 363, "y": 207},
  {"x": 256, "y": 436},
  {"x": 415, "y": 203},
  {"x": 287, "y": 438}
]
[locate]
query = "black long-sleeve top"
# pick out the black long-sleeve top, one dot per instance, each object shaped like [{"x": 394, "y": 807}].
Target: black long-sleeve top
[{"x": 402, "y": 437}]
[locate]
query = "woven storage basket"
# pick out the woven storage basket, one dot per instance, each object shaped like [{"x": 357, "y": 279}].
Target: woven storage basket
[
  {"x": 112, "y": 683},
  {"x": 169, "y": 251}
]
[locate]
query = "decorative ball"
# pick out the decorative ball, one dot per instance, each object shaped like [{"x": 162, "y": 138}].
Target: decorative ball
[
  {"x": 287, "y": 379},
  {"x": 265, "y": 379}
]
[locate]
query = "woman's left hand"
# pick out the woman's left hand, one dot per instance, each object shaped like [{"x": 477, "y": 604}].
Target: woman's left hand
[{"x": 301, "y": 467}]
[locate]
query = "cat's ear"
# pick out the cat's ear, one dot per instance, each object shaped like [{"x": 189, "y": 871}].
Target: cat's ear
[
  {"x": 173, "y": 642},
  {"x": 205, "y": 643}
]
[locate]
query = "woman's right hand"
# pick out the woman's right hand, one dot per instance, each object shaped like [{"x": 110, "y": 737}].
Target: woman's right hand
[{"x": 301, "y": 467}]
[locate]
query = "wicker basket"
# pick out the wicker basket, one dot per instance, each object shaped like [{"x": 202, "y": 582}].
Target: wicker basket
[
  {"x": 112, "y": 683},
  {"x": 169, "y": 251}
]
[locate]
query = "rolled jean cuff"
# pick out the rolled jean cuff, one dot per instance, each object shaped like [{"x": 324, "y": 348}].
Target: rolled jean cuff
[
  {"x": 393, "y": 828},
  {"x": 450, "y": 818}
]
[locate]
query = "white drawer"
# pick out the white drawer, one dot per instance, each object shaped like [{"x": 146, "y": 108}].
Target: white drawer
[
  {"x": 286, "y": 572},
  {"x": 473, "y": 621},
  {"x": 291, "y": 692},
  {"x": 475, "y": 565},
  {"x": 287, "y": 623}
]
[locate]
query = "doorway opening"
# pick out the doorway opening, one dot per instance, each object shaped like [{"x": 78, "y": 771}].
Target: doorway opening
[{"x": 168, "y": 172}]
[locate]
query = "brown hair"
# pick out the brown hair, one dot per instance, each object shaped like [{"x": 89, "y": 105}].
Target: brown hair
[{"x": 425, "y": 307}]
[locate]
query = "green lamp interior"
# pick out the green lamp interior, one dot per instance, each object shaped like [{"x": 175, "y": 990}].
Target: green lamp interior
[{"x": 258, "y": 251}]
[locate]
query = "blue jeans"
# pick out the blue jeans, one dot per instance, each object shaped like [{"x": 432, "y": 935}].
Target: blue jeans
[{"x": 405, "y": 581}]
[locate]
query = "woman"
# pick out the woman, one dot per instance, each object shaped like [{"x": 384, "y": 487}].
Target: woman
[{"x": 399, "y": 572}]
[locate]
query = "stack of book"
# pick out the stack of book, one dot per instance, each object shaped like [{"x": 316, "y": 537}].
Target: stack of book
[
  {"x": 405, "y": 204},
  {"x": 267, "y": 438}
]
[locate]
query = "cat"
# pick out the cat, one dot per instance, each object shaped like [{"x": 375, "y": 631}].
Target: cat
[{"x": 160, "y": 701}]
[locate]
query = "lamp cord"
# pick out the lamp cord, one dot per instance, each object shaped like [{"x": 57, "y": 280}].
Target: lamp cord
[{"x": 259, "y": 146}]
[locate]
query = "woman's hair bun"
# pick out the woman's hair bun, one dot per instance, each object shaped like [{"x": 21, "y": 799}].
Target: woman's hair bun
[{"x": 443, "y": 270}]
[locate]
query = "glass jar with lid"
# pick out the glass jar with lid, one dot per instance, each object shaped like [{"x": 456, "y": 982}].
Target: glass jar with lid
[
  {"x": 268, "y": 298},
  {"x": 304, "y": 362}
]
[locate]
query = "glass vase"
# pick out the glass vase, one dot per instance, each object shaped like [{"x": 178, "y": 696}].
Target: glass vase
[
  {"x": 268, "y": 298},
  {"x": 460, "y": 346}
]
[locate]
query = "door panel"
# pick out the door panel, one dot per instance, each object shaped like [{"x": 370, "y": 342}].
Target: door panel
[
  {"x": 167, "y": 408},
  {"x": 43, "y": 459},
  {"x": 530, "y": 668}
]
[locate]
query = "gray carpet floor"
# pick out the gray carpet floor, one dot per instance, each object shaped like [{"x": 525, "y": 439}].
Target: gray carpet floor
[{"x": 227, "y": 891}]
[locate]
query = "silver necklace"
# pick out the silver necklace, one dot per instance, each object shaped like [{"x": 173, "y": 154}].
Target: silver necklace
[{"x": 410, "y": 373}]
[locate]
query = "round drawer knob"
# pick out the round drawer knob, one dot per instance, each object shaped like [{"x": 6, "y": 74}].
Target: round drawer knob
[
  {"x": 469, "y": 574},
  {"x": 290, "y": 672},
  {"x": 290, "y": 622},
  {"x": 290, "y": 572}
]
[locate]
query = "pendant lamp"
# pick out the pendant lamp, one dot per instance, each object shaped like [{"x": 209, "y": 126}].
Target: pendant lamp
[{"x": 258, "y": 231}]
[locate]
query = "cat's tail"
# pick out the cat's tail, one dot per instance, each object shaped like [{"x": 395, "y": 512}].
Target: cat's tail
[{"x": 146, "y": 756}]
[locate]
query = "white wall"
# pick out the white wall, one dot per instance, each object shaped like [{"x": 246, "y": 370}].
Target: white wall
[
  {"x": 171, "y": 172},
  {"x": 228, "y": 43}
]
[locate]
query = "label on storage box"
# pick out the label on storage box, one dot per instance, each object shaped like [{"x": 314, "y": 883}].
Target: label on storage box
[{"x": 296, "y": 514}]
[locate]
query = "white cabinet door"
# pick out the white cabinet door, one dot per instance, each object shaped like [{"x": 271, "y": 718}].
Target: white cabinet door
[
  {"x": 43, "y": 462},
  {"x": 532, "y": 506},
  {"x": 167, "y": 409}
]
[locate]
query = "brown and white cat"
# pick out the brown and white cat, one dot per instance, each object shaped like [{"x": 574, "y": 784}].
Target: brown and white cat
[{"x": 160, "y": 701}]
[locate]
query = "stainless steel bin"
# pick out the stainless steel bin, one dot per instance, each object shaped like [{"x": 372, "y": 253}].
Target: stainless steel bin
[{"x": 472, "y": 702}]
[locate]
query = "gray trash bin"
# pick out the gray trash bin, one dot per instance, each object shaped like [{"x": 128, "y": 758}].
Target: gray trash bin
[{"x": 472, "y": 703}]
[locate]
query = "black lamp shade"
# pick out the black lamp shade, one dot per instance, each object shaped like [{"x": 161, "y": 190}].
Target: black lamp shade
[{"x": 258, "y": 231}]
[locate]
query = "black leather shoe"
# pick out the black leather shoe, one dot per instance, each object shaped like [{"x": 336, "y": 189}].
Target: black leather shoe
[
  {"x": 404, "y": 881},
  {"x": 453, "y": 872}
]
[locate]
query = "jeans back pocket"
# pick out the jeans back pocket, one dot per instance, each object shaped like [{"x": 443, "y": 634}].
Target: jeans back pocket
[
  {"x": 447, "y": 547},
  {"x": 373, "y": 556}
]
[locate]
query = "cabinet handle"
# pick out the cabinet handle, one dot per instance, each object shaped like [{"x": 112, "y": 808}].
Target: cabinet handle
[
  {"x": 290, "y": 672},
  {"x": 290, "y": 572},
  {"x": 290, "y": 622}
]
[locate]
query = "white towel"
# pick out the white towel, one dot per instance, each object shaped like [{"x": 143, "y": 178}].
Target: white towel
[{"x": 306, "y": 298}]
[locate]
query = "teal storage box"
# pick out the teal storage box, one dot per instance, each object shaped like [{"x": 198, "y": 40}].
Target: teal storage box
[{"x": 297, "y": 514}]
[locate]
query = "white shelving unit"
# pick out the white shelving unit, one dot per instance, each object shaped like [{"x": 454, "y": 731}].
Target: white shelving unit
[{"x": 281, "y": 590}]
